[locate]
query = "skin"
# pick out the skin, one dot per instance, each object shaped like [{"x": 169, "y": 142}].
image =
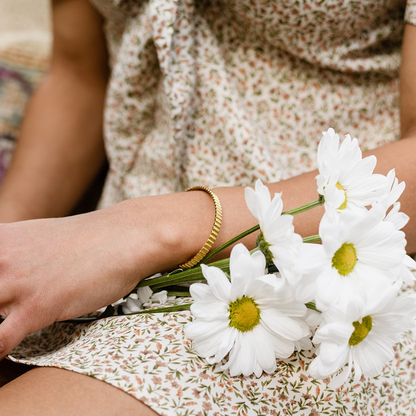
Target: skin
[
  {"x": 61, "y": 147},
  {"x": 35, "y": 292},
  {"x": 51, "y": 392}
]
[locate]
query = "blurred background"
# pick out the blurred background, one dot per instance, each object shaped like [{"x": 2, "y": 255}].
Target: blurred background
[
  {"x": 25, "y": 42},
  {"x": 24, "y": 15}
]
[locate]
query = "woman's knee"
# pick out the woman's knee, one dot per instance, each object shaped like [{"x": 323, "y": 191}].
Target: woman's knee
[{"x": 51, "y": 391}]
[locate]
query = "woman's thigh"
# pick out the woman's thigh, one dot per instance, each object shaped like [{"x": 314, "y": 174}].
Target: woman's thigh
[{"x": 53, "y": 391}]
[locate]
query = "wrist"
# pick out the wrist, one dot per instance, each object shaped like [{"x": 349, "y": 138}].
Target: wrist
[
  {"x": 171, "y": 228},
  {"x": 165, "y": 231}
]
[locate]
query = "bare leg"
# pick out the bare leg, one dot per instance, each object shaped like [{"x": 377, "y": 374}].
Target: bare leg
[{"x": 52, "y": 391}]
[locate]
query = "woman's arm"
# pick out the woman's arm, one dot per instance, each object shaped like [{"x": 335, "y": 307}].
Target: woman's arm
[
  {"x": 56, "y": 269},
  {"x": 408, "y": 83},
  {"x": 60, "y": 148}
]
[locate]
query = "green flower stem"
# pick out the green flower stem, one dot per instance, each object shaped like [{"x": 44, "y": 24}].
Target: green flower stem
[
  {"x": 183, "y": 276},
  {"x": 295, "y": 211},
  {"x": 318, "y": 202},
  {"x": 175, "y": 308},
  {"x": 230, "y": 242},
  {"x": 179, "y": 294},
  {"x": 178, "y": 291},
  {"x": 312, "y": 239},
  {"x": 195, "y": 274}
]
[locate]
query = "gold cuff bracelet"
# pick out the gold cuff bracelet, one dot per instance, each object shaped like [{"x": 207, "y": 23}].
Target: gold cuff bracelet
[{"x": 214, "y": 232}]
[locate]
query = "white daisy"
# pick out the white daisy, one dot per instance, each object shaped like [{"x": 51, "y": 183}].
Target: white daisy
[
  {"x": 135, "y": 301},
  {"x": 277, "y": 240},
  {"x": 144, "y": 298},
  {"x": 345, "y": 179},
  {"x": 393, "y": 191},
  {"x": 362, "y": 336},
  {"x": 358, "y": 251},
  {"x": 399, "y": 220},
  {"x": 244, "y": 318},
  {"x": 405, "y": 270},
  {"x": 306, "y": 271}
]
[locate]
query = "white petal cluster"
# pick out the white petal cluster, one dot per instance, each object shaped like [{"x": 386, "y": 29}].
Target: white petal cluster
[
  {"x": 277, "y": 230},
  {"x": 398, "y": 220},
  {"x": 354, "y": 278},
  {"x": 362, "y": 335},
  {"x": 242, "y": 318},
  {"x": 358, "y": 251},
  {"x": 345, "y": 179},
  {"x": 144, "y": 298},
  {"x": 356, "y": 274}
]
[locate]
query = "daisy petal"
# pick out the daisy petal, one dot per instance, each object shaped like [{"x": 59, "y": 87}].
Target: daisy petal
[{"x": 218, "y": 282}]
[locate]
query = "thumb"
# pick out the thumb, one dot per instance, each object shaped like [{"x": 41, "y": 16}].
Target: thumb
[{"x": 12, "y": 331}]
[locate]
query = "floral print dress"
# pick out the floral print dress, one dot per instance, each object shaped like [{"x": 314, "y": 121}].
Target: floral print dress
[{"x": 222, "y": 93}]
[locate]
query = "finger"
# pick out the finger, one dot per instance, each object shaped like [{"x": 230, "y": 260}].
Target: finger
[
  {"x": 12, "y": 331},
  {"x": 8, "y": 288}
]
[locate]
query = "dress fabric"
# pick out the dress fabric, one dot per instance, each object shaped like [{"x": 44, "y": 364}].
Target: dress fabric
[
  {"x": 222, "y": 93},
  {"x": 225, "y": 92}
]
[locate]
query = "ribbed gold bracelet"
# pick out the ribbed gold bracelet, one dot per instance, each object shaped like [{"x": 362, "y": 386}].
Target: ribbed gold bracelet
[{"x": 214, "y": 232}]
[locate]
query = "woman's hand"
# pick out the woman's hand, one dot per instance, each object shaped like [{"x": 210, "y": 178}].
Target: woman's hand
[{"x": 57, "y": 269}]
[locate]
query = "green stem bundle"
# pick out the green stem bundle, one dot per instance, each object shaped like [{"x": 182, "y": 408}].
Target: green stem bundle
[{"x": 180, "y": 276}]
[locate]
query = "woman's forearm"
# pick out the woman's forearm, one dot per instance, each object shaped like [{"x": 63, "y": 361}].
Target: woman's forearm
[{"x": 296, "y": 191}]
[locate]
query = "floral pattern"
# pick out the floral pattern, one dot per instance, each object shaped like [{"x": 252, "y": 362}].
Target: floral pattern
[
  {"x": 18, "y": 77},
  {"x": 223, "y": 93},
  {"x": 149, "y": 357}
]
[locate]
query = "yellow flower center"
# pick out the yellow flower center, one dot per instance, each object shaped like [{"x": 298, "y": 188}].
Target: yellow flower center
[
  {"x": 361, "y": 330},
  {"x": 344, "y": 259},
  {"x": 344, "y": 204},
  {"x": 244, "y": 314}
]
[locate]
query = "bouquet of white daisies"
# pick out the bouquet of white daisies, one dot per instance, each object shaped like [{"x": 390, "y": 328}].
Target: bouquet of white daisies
[{"x": 339, "y": 291}]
